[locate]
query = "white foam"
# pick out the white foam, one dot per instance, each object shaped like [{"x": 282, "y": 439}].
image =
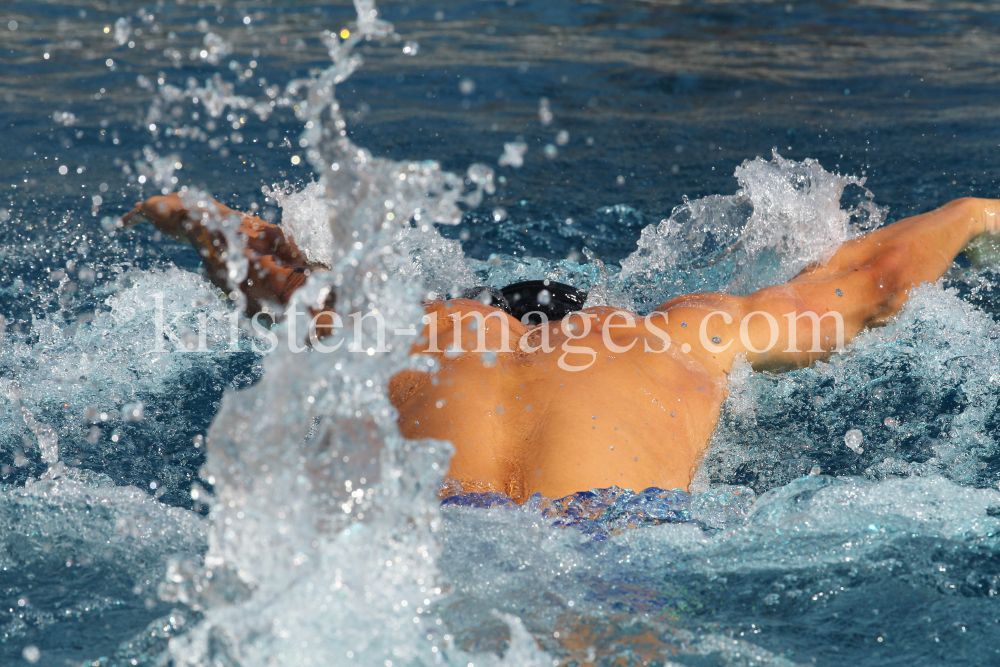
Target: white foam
[
  {"x": 134, "y": 345},
  {"x": 116, "y": 539},
  {"x": 785, "y": 216}
]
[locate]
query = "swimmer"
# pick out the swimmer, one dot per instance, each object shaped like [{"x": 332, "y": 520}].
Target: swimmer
[{"x": 608, "y": 402}]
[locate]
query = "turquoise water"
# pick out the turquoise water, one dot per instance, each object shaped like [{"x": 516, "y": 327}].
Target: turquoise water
[{"x": 224, "y": 507}]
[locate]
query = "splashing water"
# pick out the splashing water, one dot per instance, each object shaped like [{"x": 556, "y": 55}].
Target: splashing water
[
  {"x": 133, "y": 361},
  {"x": 893, "y": 384},
  {"x": 48, "y": 441},
  {"x": 326, "y": 537},
  {"x": 324, "y": 517},
  {"x": 785, "y": 217}
]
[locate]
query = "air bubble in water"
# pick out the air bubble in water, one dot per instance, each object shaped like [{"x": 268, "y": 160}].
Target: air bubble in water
[
  {"x": 550, "y": 151},
  {"x": 467, "y": 86},
  {"x": 853, "y": 440},
  {"x": 562, "y": 138},
  {"x": 499, "y": 214},
  {"x": 545, "y": 297},
  {"x": 411, "y": 48}
]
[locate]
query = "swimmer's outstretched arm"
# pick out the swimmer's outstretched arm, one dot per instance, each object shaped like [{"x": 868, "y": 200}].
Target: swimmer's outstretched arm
[
  {"x": 864, "y": 283},
  {"x": 276, "y": 265}
]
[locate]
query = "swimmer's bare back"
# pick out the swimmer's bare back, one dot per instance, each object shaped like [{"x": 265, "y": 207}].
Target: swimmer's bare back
[{"x": 636, "y": 413}]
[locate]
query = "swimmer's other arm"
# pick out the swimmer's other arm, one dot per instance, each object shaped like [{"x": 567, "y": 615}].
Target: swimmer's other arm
[{"x": 864, "y": 283}]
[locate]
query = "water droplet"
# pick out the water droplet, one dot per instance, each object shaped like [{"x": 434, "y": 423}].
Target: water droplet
[
  {"x": 133, "y": 412},
  {"x": 544, "y": 112},
  {"x": 30, "y": 653},
  {"x": 853, "y": 439},
  {"x": 839, "y": 293},
  {"x": 513, "y": 154}
]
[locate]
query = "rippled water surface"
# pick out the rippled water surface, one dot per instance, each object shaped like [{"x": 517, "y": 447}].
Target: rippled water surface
[{"x": 164, "y": 507}]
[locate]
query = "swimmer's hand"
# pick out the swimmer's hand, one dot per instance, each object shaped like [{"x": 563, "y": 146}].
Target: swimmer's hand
[
  {"x": 169, "y": 215},
  {"x": 275, "y": 265}
]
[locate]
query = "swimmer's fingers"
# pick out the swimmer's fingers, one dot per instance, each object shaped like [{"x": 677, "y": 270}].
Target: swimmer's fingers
[{"x": 167, "y": 213}]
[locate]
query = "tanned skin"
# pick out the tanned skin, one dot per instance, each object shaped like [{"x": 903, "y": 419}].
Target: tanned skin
[{"x": 522, "y": 423}]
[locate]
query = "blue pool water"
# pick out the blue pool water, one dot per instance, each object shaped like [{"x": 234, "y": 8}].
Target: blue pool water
[{"x": 222, "y": 507}]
